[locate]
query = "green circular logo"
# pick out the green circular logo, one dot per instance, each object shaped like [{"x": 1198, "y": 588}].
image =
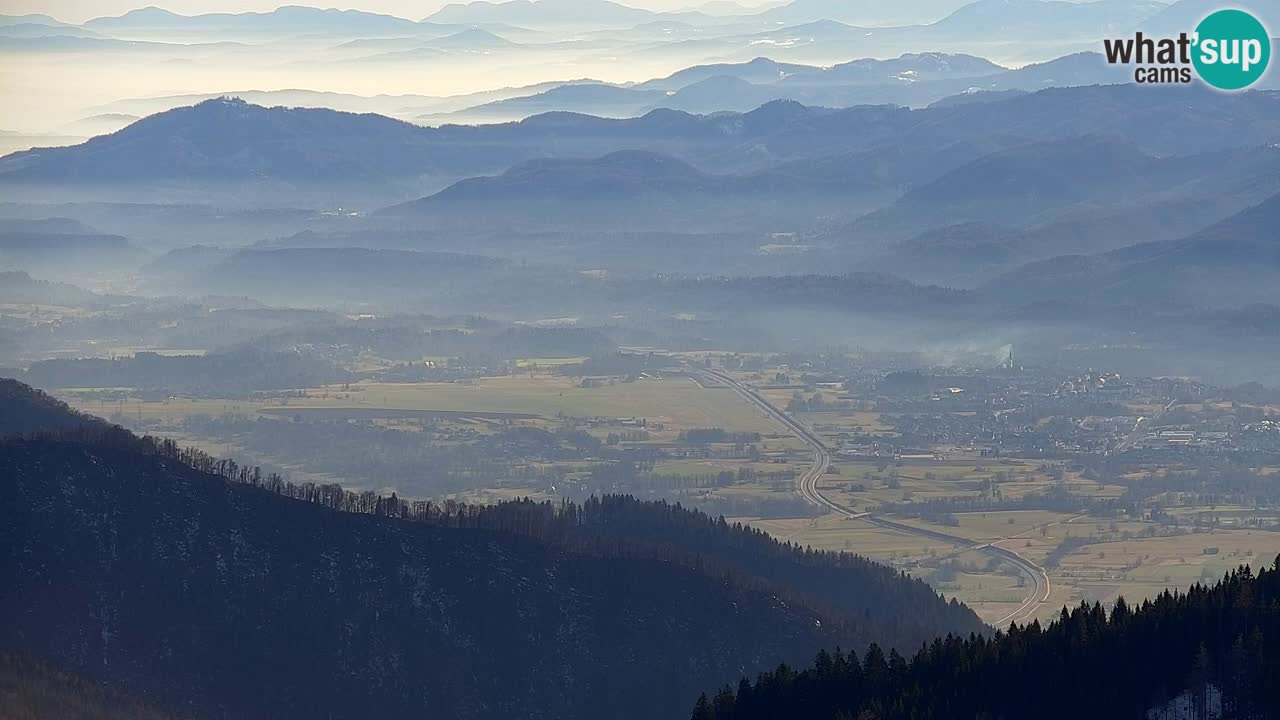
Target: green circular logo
[{"x": 1232, "y": 49}]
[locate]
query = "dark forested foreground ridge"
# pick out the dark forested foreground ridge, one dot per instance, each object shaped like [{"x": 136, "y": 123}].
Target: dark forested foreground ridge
[
  {"x": 203, "y": 585},
  {"x": 26, "y": 410},
  {"x": 1208, "y": 653},
  {"x": 227, "y": 601}
]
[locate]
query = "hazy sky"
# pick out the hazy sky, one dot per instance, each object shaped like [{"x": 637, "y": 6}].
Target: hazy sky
[{"x": 81, "y": 10}]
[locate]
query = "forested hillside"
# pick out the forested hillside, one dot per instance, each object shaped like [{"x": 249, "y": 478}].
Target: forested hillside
[
  {"x": 1213, "y": 648},
  {"x": 239, "y": 371},
  {"x": 142, "y": 573},
  {"x": 26, "y": 410},
  {"x": 201, "y": 584},
  {"x": 876, "y": 601}
]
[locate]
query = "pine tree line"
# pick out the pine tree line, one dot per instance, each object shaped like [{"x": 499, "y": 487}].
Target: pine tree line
[{"x": 1211, "y": 647}]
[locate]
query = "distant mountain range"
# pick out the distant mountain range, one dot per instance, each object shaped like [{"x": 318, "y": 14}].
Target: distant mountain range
[
  {"x": 285, "y": 21},
  {"x": 589, "y": 13},
  {"x": 1185, "y": 15},
  {"x": 735, "y": 59},
  {"x": 42, "y": 30},
  {"x": 980, "y": 18},
  {"x": 232, "y": 142},
  {"x": 404, "y": 107},
  {"x": 983, "y": 18},
  {"x": 810, "y": 30},
  {"x": 31, "y": 19},
  {"x": 914, "y": 80},
  {"x": 1012, "y": 19},
  {"x": 871, "y": 13}
]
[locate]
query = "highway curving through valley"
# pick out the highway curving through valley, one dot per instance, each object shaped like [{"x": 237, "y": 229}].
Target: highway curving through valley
[{"x": 808, "y": 488}]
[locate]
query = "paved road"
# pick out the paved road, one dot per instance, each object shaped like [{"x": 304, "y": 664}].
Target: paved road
[
  {"x": 808, "y": 489},
  {"x": 1128, "y": 441}
]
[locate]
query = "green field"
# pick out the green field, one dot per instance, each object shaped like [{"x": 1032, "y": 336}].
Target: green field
[
  {"x": 678, "y": 402},
  {"x": 834, "y": 532},
  {"x": 1137, "y": 568},
  {"x": 993, "y": 526}
]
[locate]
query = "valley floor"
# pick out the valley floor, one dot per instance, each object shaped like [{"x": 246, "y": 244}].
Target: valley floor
[{"x": 1087, "y": 556}]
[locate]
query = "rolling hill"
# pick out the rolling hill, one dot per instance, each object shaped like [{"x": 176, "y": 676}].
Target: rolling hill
[
  {"x": 1230, "y": 263},
  {"x": 62, "y": 248},
  {"x": 599, "y": 99},
  {"x": 759, "y": 71},
  {"x": 471, "y": 40},
  {"x": 1028, "y": 202},
  {"x": 227, "y": 139},
  {"x": 305, "y": 276},
  {"x": 639, "y": 190},
  {"x": 1021, "y": 185},
  {"x": 18, "y": 287}
]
